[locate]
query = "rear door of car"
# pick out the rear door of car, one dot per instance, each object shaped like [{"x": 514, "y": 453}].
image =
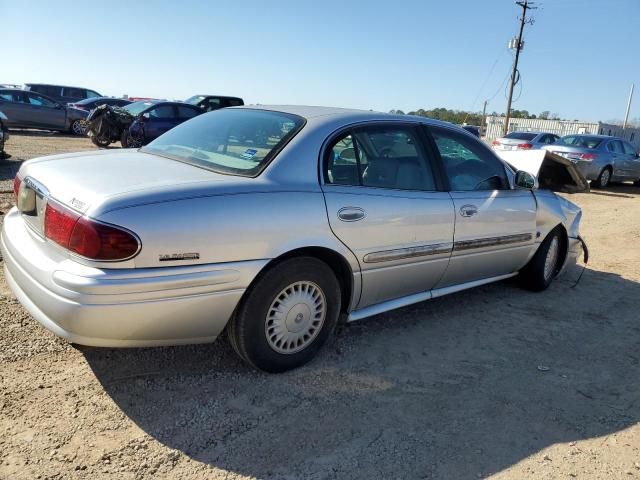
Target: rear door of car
[
  {"x": 13, "y": 105},
  {"x": 386, "y": 203},
  {"x": 495, "y": 225}
]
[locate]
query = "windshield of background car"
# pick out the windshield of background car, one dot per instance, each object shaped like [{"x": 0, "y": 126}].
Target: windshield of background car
[
  {"x": 521, "y": 135},
  {"x": 583, "y": 142},
  {"x": 136, "y": 108},
  {"x": 194, "y": 100},
  {"x": 238, "y": 141}
]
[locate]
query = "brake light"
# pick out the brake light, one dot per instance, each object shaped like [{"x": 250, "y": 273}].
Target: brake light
[
  {"x": 588, "y": 157},
  {"x": 87, "y": 237},
  {"x": 17, "y": 181},
  {"x": 525, "y": 146},
  {"x": 495, "y": 142}
]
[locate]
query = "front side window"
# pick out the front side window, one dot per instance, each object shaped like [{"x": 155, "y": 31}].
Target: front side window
[
  {"x": 39, "y": 101},
  {"x": 92, "y": 94},
  {"x": 238, "y": 141},
  {"x": 380, "y": 157},
  {"x": 469, "y": 165}
]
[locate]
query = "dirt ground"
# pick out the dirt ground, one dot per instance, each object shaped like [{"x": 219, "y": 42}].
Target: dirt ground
[{"x": 493, "y": 382}]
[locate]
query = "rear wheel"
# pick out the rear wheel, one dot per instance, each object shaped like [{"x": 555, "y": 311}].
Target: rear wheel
[
  {"x": 287, "y": 315},
  {"x": 100, "y": 142},
  {"x": 604, "y": 178},
  {"x": 545, "y": 264}
]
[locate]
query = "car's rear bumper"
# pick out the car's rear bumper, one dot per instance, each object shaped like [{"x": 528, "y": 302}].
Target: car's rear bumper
[{"x": 121, "y": 307}]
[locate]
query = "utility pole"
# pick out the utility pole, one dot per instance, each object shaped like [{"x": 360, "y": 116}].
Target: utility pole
[
  {"x": 626, "y": 115},
  {"x": 526, "y": 5},
  {"x": 484, "y": 113}
]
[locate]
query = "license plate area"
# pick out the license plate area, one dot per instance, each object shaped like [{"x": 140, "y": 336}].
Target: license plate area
[{"x": 32, "y": 203}]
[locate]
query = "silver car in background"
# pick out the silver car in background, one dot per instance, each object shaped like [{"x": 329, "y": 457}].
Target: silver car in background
[
  {"x": 600, "y": 158},
  {"x": 274, "y": 223},
  {"x": 524, "y": 140}
]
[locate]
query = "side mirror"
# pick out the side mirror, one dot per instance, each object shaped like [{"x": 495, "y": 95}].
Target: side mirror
[
  {"x": 145, "y": 116},
  {"x": 525, "y": 180}
]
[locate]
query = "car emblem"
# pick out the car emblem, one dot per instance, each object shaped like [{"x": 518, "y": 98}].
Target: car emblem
[{"x": 170, "y": 257}]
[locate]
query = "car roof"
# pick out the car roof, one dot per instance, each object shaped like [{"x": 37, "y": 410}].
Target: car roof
[
  {"x": 55, "y": 85},
  {"x": 590, "y": 135},
  {"x": 206, "y": 95},
  {"x": 336, "y": 113}
]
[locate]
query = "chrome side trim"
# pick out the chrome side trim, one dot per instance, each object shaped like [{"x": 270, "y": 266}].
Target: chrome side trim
[
  {"x": 420, "y": 297},
  {"x": 491, "y": 241},
  {"x": 410, "y": 252}
]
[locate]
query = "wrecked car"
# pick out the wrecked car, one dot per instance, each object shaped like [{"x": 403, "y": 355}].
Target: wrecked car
[{"x": 273, "y": 224}]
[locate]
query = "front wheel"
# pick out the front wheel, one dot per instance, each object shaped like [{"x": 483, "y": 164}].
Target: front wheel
[
  {"x": 78, "y": 127},
  {"x": 287, "y": 315},
  {"x": 538, "y": 274}
]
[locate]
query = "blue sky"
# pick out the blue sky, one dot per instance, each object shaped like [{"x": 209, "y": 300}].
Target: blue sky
[{"x": 580, "y": 57}]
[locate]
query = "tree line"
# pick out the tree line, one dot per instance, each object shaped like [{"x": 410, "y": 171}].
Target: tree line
[{"x": 472, "y": 118}]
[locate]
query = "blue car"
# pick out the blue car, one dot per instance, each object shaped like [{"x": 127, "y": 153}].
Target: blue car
[{"x": 153, "y": 118}]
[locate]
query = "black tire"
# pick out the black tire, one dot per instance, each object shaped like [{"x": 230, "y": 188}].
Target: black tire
[
  {"x": 100, "y": 142},
  {"x": 247, "y": 330},
  {"x": 78, "y": 128},
  {"x": 124, "y": 138},
  {"x": 604, "y": 179},
  {"x": 533, "y": 276}
]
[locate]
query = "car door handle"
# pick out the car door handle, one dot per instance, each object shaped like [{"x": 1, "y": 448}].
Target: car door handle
[
  {"x": 468, "y": 210},
  {"x": 351, "y": 214}
]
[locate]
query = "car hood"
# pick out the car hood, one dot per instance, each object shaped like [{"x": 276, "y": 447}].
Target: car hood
[
  {"x": 554, "y": 172},
  {"x": 95, "y": 182}
]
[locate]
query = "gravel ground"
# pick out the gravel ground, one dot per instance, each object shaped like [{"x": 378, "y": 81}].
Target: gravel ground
[{"x": 493, "y": 382}]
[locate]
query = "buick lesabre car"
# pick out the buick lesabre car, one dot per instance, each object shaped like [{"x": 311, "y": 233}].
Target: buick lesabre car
[{"x": 273, "y": 223}]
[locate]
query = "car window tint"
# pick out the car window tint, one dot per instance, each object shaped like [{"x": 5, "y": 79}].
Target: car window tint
[
  {"x": 10, "y": 96},
  {"x": 186, "y": 112},
  {"x": 40, "y": 101},
  {"x": 615, "y": 146},
  {"x": 73, "y": 92},
  {"x": 469, "y": 164},
  {"x": 212, "y": 104},
  {"x": 163, "y": 111},
  {"x": 628, "y": 148},
  {"x": 91, "y": 94},
  {"x": 381, "y": 157},
  {"x": 48, "y": 90},
  {"x": 235, "y": 102}
]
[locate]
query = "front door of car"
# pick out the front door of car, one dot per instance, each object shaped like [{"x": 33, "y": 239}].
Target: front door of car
[
  {"x": 631, "y": 162},
  {"x": 385, "y": 203},
  {"x": 45, "y": 113},
  {"x": 495, "y": 225},
  {"x": 158, "y": 120}
]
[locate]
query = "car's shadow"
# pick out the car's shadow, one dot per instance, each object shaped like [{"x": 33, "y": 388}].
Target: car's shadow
[{"x": 458, "y": 387}]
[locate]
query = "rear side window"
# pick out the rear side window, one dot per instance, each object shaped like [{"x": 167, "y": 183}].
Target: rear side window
[
  {"x": 11, "y": 97},
  {"x": 186, "y": 112},
  {"x": 469, "y": 165},
  {"x": 91, "y": 94},
  {"x": 49, "y": 90},
  {"x": 628, "y": 148},
  {"x": 236, "y": 102},
  {"x": 74, "y": 92},
  {"x": 163, "y": 111},
  {"x": 615, "y": 146},
  {"x": 380, "y": 157}
]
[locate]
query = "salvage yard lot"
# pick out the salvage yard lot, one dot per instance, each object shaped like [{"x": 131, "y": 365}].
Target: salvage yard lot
[{"x": 495, "y": 381}]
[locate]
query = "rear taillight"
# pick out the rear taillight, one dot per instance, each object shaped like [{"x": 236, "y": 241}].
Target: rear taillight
[
  {"x": 17, "y": 181},
  {"x": 589, "y": 157},
  {"x": 495, "y": 142},
  {"x": 525, "y": 146},
  {"x": 87, "y": 237}
]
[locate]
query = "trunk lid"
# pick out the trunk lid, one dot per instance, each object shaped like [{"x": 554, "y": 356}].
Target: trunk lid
[{"x": 95, "y": 182}]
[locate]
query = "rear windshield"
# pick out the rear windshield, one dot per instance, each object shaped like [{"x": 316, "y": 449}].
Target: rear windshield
[
  {"x": 239, "y": 142},
  {"x": 578, "y": 141},
  {"x": 521, "y": 135}
]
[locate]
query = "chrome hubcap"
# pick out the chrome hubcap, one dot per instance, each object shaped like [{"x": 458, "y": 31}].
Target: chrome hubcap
[
  {"x": 295, "y": 317},
  {"x": 552, "y": 258}
]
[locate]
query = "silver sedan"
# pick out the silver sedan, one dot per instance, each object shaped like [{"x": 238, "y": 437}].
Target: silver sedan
[
  {"x": 274, "y": 223},
  {"x": 524, "y": 140}
]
